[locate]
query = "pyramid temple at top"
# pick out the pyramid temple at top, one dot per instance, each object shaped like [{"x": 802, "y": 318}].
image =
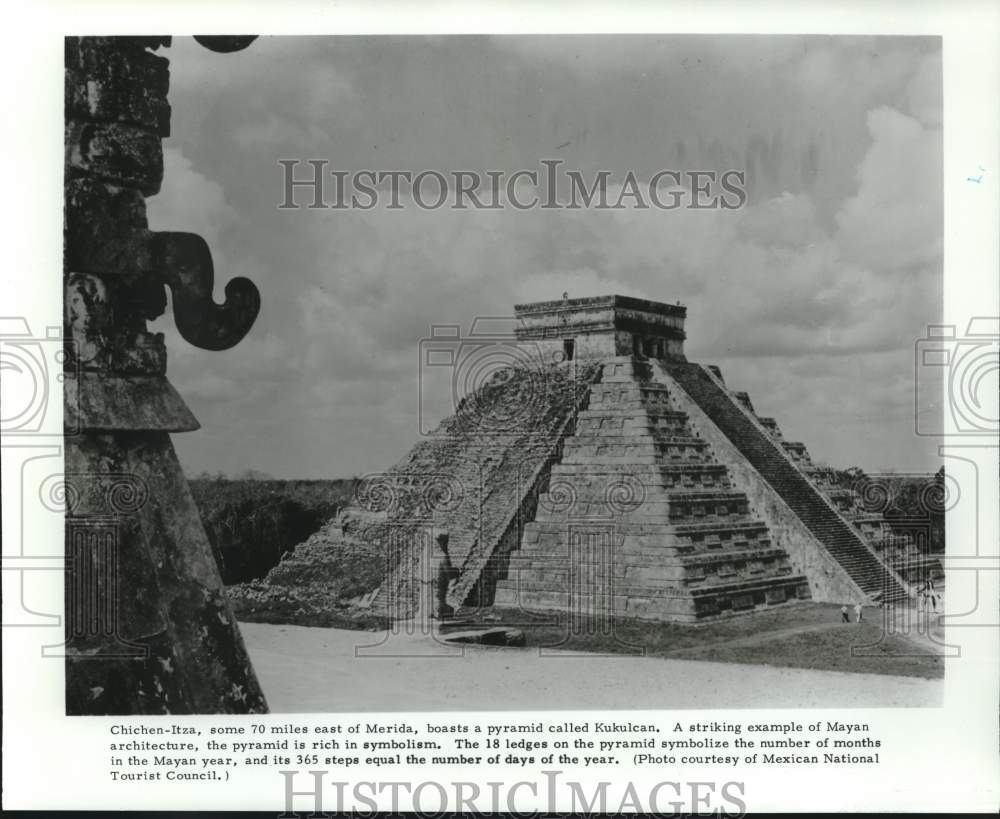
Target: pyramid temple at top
[{"x": 602, "y": 472}]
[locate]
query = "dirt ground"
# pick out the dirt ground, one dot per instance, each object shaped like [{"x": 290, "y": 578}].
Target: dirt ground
[{"x": 324, "y": 670}]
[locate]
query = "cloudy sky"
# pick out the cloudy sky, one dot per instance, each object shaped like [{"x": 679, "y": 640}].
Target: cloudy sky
[{"x": 811, "y": 297}]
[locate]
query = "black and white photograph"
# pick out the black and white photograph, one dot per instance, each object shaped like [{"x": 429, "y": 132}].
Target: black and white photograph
[
  {"x": 473, "y": 396},
  {"x": 589, "y": 344}
]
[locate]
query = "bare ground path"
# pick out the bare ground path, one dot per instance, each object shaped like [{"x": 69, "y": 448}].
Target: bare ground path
[{"x": 316, "y": 670}]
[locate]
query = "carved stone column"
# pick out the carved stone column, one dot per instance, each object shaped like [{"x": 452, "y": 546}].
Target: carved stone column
[{"x": 148, "y": 627}]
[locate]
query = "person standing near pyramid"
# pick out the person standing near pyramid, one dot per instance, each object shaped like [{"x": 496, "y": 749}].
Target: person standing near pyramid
[{"x": 443, "y": 575}]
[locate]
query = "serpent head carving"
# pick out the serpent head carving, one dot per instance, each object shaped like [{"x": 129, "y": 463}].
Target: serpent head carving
[{"x": 184, "y": 262}]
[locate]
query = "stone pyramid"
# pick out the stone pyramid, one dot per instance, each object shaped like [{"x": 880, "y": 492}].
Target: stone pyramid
[
  {"x": 625, "y": 481},
  {"x": 641, "y": 519}
]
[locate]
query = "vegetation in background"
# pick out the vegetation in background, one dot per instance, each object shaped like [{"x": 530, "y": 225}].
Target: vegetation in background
[
  {"x": 252, "y": 521},
  {"x": 913, "y": 504},
  {"x": 798, "y": 635}
]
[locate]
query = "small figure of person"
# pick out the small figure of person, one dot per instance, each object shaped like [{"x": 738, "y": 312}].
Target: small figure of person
[
  {"x": 446, "y": 572},
  {"x": 858, "y": 612},
  {"x": 844, "y": 616}
]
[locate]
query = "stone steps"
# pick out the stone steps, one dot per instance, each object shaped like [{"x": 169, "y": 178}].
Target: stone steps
[
  {"x": 680, "y": 604},
  {"x": 645, "y": 582},
  {"x": 700, "y": 535},
  {"x": 635, "y": 440},
  {"x": 675, "y": 591},
  {"x": 608, "y": 426},
  {"x": 591, "y": 490},
  {"x": 652, "y": 477},
  {"x": 542, "y": 560},
  {"x": 636, "y": 549},
  {"x": 629, "y": 525},
  {"x": 616, "y": 412},
  {"x": 616, "y": 458}
]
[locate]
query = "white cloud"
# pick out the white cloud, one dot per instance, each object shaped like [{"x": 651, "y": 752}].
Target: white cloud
[
  {"x": 189, "y": 200},
  {"x": 895, "y": 218},
  {"x": 924, "y": 92}
]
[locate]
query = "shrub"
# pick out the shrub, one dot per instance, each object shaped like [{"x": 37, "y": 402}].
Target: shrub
[{"x": 252, "y": 523}]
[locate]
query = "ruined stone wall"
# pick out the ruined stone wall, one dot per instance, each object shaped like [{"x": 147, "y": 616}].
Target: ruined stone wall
[
  {"x": 469, "y": 478},
  {"x": 116, "y": 115},
  {"x": 148, "y": 627}
]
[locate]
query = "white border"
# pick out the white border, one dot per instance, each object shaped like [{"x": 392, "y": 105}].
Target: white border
[{"x": 945, "y": 759}]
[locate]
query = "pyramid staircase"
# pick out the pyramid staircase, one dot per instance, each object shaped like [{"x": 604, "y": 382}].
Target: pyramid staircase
[
  {"x": 899, "y": 551},
  {"x": 639, "y": 519},
  {"x": 783, "y": 464}
]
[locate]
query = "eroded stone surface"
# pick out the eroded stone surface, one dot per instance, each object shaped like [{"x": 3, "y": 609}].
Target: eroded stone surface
[
  {"x": 162, "y": 635},
  {"x": 477, "y": 477},
  {"x": 148, "y": 627},
  {"x": 106, "y": 80}
]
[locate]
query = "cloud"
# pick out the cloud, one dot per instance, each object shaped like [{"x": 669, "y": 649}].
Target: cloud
[
  {"x": 924, "y": 92},
  {"x": 895, "y": 218},
  {"x": 189, "y": 200},
  {"x": 788, "y": 220},
  {"x": 810, "y": 297}
]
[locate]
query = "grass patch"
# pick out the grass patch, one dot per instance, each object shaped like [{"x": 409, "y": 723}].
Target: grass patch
[
  {"x": 251, "y": 523},
  {"x": 315, "y": 618},
  {"x": 803, "y": 635}
]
